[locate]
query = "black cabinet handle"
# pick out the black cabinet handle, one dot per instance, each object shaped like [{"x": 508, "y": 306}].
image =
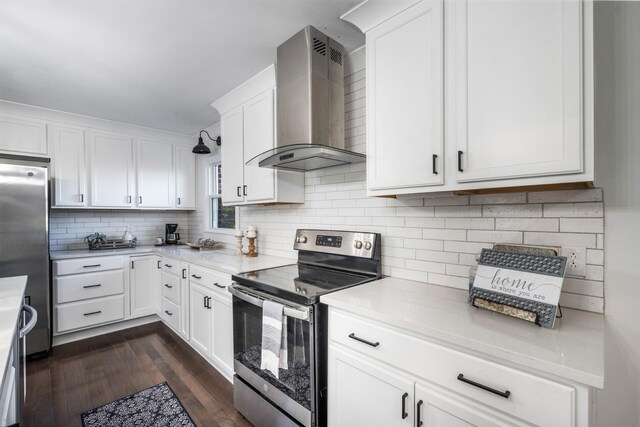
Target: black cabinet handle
[
  {"x": 404, "y": 405},
  {"x": 504, "y": 394},
  {"x": 178, "y": 200},
  {"x": 140, "y": 199},
  {"x": 460, "y": 161},
  {"x": 92, "y": 286},
  {"x": 81, "y": 198},
  {"x": 419, "y": 414},
  {"x": 372, "y": 344},
  {"x": 166, "y": 285},
  {"x": 244, "y": 190},
  {"x": 168, "y": 265},
  {"x": 196, "y": 277},
  {"x": 168, "y": 312},
  {"x": 219, "y": 286},
  {"x": 132, "y": 263},
  {"x": 433, "y": 164},
  {"x": 91, "y": 266},
  {"x": 207, "y": 302},
  {"x": 238, "y": 192},
  {"x": 93, "y": 312},
  {"x": 159, "y": 264},
  {"x": 129, "y": 199},
  {"x": 184, "y": 273}
]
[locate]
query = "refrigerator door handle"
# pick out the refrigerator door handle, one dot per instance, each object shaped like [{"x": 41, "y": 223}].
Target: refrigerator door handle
[{"x": 33, "y": 314}]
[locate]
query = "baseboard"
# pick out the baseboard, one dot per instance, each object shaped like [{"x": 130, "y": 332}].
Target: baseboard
[{"x": 105, "y": 329}]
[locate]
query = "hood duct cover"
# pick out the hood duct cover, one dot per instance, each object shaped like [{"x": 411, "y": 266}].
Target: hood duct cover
[{"x": 310, "y": 105}]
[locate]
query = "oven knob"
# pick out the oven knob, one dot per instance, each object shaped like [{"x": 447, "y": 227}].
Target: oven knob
[
  {"x": 367, "y": 246},
  {"x": 357, "y": 244},
  {"x": 301, "y": 239}
]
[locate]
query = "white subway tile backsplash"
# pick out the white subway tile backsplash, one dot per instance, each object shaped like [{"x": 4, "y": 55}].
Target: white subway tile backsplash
[
  {"x": 517, "y": 211},
  {"x": 470, "y": 223},
  {"x": 582, "y": 225},
  {"x": 458, "y": 211},
  {"x": 527, "y": 224},
  {"x": 568, "y": 196},
  {"x": 574, "y": 210},
  {"x": 499, "y": 199},
  {"x": 494, "y": 236},
  {"x": 560, "y": 239},
  {"x": 595, "y": 256},
  {"x": 444, "y": 234}
]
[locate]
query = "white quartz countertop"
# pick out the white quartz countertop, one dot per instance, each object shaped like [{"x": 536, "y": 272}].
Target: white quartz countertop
[
  {"x": 573, "y": 350},
  {"x": 219, "y": 259},
  {"x": 11, "y": 297}
]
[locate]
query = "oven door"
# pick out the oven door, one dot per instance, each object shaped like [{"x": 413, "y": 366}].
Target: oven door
[{"x": 293, "y": 391}]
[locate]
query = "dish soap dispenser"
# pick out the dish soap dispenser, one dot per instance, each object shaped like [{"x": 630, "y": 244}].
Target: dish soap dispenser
[{"x": 127, "y": 237}]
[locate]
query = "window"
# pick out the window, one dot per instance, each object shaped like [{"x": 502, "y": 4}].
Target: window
[{"x": 220, "y": 217}]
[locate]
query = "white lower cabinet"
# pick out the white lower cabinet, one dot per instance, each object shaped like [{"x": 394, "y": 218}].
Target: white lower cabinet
[
  {"x": 143, "y": 277},
  {"x": 200, "y": 317},
  {"x": 222, "y": 344}
]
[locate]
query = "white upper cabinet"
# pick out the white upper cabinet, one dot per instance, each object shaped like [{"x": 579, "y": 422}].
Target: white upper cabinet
[
  {"x": 111, "y": 166},
  {"x": 518, "y": 73},
  {"x": 155, "y": 174},
  {"x": 20, "y": 135},
  {"x": 405, "y": 100},
  {"x": 247, "y": 127},
  {"x": 69, "y": 171},
  {"x": 185, "y": 165}
]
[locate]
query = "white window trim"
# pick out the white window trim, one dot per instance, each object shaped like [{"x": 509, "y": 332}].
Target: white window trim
[{"x": 208, "y": 163}]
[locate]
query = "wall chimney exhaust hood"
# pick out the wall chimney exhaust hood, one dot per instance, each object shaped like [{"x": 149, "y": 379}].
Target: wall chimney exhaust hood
[{"x": 310, "y": 106}]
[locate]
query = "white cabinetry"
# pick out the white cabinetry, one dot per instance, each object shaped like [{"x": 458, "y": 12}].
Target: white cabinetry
[
  {"x": 143, "y": 279},
  {"x": 155, "y": 174},
  {"x": 21, "y": 135},
  {"x": 174, "y": 306},
  {"x": 247, "y": 125},
  {"x": 200, "y": 317},
  {"x": 516, "y": 111},
  {"x": 111, "y": 166},
  {"x": 185, "y": 165},
  {"x": 69, "y": 168}
]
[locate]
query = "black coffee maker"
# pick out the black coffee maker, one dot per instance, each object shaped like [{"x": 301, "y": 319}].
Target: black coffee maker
[{"x": 171, "y": 237}]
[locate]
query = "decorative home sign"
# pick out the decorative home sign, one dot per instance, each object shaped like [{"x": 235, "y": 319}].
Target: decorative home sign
[{"x": 522, "y": 285}]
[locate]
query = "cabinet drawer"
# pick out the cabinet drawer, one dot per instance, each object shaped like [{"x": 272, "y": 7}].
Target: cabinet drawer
[
  {"x": 171, "y": 266},
  {"x": 85, "y": 286},
  {"x": 171, "y": 287},
  {"x": 88, "y": 313},
  {"x": 87, "y": 265},
  {"x": 210, "y": 279},
  {"x": 443, "y": 366},
  {"x": 170, "y": 314}
]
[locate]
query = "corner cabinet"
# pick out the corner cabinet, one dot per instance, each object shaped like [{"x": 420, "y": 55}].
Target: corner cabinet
[
  {"x": 247, "y": 124},
  {"x": 515, "y": 110},
  {"x": 185, "y": 164}
]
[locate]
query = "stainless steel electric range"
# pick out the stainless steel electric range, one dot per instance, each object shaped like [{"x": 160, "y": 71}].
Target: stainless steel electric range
[{"x": 328, "y": 261}]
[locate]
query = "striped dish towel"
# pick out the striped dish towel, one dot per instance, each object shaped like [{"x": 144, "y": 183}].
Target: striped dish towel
[{"x": 274, "y": 338}]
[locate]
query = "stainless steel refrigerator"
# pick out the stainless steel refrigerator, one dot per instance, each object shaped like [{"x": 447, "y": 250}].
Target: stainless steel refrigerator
[{"x": 24, "y": 236}]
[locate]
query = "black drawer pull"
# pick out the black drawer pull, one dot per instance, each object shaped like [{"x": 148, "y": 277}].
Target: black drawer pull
[
  {"x": 219, "y": 286},
  {"x": 93, "y": 312},
  {"x": 168, "y": 312},
  {"x": 159, "y": 264},
  {"x": 433, "y": 164},
  {"x": 168, "y": 286},
  {"x": 168, "y": 265},
  {"x": 178, "y": 200},
  {"x": 184, "y": 273},
  {"x": 91, "y": 266},
  {"x": 404, "y": 406},
  {"x": 372, "y": 344},
  {"x": 92, "y": 286},
  {"x": 238, "y": 192},
  {"x": 460, "y": 161},
  {"x": 504, "y": 394},
  {"x": 244, "y": 190},
  {"x": 419, "y": 414},
  {"x": 196, "y": 277}
]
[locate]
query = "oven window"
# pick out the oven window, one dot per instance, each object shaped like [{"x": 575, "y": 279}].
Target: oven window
[{"x": 295, "y": 381}]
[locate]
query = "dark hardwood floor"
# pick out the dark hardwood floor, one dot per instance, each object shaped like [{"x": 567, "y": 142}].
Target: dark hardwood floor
[{"x": 82, "y": 375}]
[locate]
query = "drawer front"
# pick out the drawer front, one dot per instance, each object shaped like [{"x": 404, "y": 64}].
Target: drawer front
[
  {"x": 171, "y": 266},
  {"x": 89, "y": 313},
  {"x": 171, "y": 287},
  {"x": 210, "y": 279},
  {"x": 87, "y": 265},
  {"x": 170, "y": 314},
  {"x": 443, "y": 366},
  {"x": 80, "y": 287}
]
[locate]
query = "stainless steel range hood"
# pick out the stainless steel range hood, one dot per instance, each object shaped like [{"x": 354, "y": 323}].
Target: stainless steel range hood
[{"x": 310, "y": 105}]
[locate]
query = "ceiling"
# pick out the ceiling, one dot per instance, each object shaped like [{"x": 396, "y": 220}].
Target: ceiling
[{"x": 153, "y": 63}]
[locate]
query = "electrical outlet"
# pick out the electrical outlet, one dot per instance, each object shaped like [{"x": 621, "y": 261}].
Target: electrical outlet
[{"x": 576, "y": 260}]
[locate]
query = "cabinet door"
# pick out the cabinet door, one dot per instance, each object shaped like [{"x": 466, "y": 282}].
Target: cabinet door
[
  {"x": 155, "y": 174},
  {"x": 405, "y": 99},
  {"x": 366, "y": 393},
  {"x": 111, "y": 162},
  {"x": 222, "y": 350},
  {"x": 185, "y": 178},
  {"x": 20, "y": 135},
  {"x": 184, "y": 300},
  {"x": 143, "y": 282},
  {"x": 232, "y": 130},
  {"x": 518, "y": 85},
  {"x": 440, "y": 409},
  {"x": 200, "y": 318},
  {"x": 259, "y": 183},
  {"x": 68, "y": 166}
]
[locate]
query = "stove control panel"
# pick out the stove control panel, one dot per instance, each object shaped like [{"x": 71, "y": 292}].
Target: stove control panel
[{"x": 348, "y": 243}]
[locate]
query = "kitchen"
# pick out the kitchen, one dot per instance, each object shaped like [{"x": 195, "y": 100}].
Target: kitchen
[{"x": 354, "y": 166}]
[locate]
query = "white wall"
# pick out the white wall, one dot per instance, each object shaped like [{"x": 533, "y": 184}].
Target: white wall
[{"x": 617, "y": 44}]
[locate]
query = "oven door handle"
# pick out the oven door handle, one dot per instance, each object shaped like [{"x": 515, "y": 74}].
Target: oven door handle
[{"x": 301, "y": 313}]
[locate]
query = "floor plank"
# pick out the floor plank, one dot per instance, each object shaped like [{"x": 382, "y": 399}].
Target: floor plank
[{"x": 80, "y": 376}]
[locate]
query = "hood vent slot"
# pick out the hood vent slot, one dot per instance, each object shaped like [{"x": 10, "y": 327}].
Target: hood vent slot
[
  {"x": 320, "y": 46},
  {"x": 335, "y": 55}
]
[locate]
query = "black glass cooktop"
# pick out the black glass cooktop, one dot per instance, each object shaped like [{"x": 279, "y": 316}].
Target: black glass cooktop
[{"x": 299, "y": 282}]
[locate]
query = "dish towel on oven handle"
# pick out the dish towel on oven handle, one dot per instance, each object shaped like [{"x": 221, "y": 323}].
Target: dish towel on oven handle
[{"x": 274, "y": 338}]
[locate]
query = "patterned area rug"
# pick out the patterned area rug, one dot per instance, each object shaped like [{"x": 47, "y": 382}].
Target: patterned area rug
[{"x": 155, "y": 406}]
